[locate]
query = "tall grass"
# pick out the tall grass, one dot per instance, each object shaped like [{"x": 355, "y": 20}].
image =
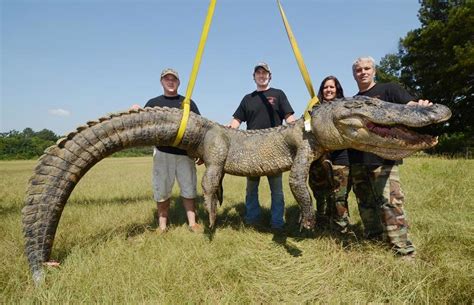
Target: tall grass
[{"x": 109, "y": 252}]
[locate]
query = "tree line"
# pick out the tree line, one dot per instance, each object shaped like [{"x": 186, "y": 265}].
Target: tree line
[{"x": 28, "y": 144}]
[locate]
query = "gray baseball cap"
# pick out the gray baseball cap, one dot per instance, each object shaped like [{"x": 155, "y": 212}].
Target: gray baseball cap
[
  {"x": 169, "y": 71},
  {"x": 263, "y": 66}
]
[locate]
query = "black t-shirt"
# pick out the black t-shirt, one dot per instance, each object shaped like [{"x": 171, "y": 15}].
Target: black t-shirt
[
  {"x": 171, "y": 102},
  {"x": 263, "y": 109},
  {"x": 388, "y": 92},
  {"x": 339, "y": 157}
]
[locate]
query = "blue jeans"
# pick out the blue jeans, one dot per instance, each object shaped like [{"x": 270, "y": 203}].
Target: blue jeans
[{"x": 252, "y": 205}]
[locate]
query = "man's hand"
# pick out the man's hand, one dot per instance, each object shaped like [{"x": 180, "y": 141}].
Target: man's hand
[
  {"x": 422, "y": 103},
  {"x": 234, "y": 123},
  {"x": 290, "y": 119},
  {"x": 135, "y": 107}
]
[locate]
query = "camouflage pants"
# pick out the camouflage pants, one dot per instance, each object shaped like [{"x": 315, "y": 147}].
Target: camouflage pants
[
  {"x": 330, "y": 186},
  {"x": 380, "y": 200}
]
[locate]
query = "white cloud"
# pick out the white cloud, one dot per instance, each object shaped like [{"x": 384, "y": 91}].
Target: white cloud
[{"x": 59, "y": 112}]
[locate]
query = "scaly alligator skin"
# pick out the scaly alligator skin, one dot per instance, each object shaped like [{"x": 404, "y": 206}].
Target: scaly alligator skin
[{"x": 361, "y": 123}]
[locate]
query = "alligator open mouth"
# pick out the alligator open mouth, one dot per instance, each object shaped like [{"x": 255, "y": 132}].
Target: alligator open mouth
[{"x": 401, "y": 133}]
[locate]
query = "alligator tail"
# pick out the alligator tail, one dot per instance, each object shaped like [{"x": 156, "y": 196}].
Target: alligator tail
[{"x": 62, "y": 166}]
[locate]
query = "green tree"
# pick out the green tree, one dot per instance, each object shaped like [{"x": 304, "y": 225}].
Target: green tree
[
  {"x": 28, "y": 132},
  {"x": 29, "y": 144},
  {"x": 47, "y": 135},
  {"x": 389, "y": 69},
  {"x": 437, "y": 60},
  {"x": 26, "y": 144},
  {"x": 436, "y": 10}
]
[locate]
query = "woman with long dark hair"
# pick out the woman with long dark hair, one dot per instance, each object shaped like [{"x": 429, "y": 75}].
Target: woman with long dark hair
[{"x": 329, "y": 176}]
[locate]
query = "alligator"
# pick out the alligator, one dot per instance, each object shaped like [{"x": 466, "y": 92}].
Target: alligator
[{"x": 361, "y": 123}]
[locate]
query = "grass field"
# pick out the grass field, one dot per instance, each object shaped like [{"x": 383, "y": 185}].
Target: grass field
[{"x": 109, "y": 252}]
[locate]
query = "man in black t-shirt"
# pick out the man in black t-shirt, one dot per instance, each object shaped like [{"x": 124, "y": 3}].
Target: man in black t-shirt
[
  {"x": 376, "y": 181},
  {"x": 265, "y": 107},
  {"x": 170, "y": 163}
]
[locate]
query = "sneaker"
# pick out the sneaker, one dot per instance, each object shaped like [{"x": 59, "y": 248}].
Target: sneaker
[
  {"x": 344, "y": 231},
  {"x": 196, "y": 228},
  {"x": 278, "y": 231}
]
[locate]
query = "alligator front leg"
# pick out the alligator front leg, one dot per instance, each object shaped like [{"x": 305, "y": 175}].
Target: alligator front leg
[
  {"x": 298, "y": 177},
  {"x": 210, "y": 187},
  {"x": 216, "y": 147}
]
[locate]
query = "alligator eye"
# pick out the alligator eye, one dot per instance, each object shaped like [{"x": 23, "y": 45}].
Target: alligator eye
[
  {"x": 353, "y": 104},
  {"x": 371, "y": 103}
]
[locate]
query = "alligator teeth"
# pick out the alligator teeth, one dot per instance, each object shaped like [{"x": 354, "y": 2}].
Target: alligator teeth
[
  {"x": 353, "y": 122},
  {"x": 402, "y": 134}
]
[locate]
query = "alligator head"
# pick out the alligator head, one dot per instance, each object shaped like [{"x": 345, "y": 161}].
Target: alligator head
[{"x": 372, "y": 125}]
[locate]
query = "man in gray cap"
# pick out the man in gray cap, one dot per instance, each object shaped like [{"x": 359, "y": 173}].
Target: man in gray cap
[
  {"x": 170, "y": 163},
  {"x": 265, "y": 107}
]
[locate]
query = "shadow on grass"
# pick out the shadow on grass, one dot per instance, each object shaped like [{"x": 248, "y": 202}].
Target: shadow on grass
[
  {"x": 292, "y": 249},
  {"x": 230, "y": 217},
  {"x": 177, "y": 216}
]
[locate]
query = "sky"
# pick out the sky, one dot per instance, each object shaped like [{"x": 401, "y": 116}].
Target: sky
[{"x": 66, "y": 62}]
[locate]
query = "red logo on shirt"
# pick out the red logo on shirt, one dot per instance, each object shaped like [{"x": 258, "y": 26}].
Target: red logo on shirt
[{"x": 271, "y": 100}]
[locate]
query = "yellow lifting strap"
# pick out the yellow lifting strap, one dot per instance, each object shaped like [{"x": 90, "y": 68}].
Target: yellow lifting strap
[
  {"x": 304, "y": 72},
  {"x": 194, "y": 72}
]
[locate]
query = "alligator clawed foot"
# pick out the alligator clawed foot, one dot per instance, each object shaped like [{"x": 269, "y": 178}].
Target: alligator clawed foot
[
  {"x": 212, "y": 220},
  {"x": 306, "y": 222},
  {"x": 211, "y": 210},
  {"x": 38, "y": 277}
]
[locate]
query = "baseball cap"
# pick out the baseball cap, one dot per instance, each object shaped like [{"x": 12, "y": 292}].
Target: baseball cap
[
  {"x": 169, "y": 71},
  {"x": 262, "y": 65}
]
